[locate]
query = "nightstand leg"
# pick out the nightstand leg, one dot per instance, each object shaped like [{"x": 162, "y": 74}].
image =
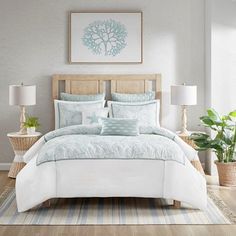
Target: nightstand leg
[
  {"x": 15, "y": 169},
  {"x": 177, "y": 204},
  {"x": 197, "y": 164},
  {"x": 47, "y": 204},
  {"x": 17, "y": 164}
]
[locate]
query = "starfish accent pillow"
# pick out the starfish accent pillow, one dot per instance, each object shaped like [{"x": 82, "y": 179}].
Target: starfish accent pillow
[{"x": 92, "y": 117}]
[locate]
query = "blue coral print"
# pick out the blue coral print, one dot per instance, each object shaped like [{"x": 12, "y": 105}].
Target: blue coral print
[{"x": 105, "y": 37}]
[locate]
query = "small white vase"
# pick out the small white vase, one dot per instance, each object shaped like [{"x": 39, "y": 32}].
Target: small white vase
[{"x": 31, "y": 130}]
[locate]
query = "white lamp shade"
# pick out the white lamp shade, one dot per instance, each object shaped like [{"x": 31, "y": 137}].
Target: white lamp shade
[
  {"x": 22, "y": 95},
  {"x": 183, "y": 95}
]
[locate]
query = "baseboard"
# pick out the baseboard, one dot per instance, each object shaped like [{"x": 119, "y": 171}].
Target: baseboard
[{"x": 5, "y": 166}]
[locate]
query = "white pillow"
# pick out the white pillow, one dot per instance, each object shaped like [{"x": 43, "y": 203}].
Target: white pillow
[
  {"x": 147, "y": 113},
  {"x": 70, "y": 113},
  {"x": 92, "y": 117}
]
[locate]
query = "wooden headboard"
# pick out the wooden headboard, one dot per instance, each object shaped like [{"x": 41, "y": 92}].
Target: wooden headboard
[{"x": 92, "y": 84}]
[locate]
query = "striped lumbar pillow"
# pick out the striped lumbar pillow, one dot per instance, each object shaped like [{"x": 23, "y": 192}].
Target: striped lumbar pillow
[{"x": 113, "y": 126}]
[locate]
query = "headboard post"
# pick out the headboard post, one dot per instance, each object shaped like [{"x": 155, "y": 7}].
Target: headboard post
[
  {"x": 55, "y": 87},
  {"x": 158, "y": 86},
  {"x": 67, "y": 86},
  {"x": 101, "y": 86},
  {"x": 113, "y": 86}
]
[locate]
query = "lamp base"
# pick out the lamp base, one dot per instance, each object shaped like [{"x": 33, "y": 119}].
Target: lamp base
[
  {"x": 184, "y": 131},
  {"x": 22, "y": 131},
  {"x": 22, "y": 121}
]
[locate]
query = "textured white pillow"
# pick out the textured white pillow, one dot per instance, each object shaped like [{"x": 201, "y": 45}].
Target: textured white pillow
[
  {"x": 70, "y": 113},
  {"x": 147, "y": 113}
]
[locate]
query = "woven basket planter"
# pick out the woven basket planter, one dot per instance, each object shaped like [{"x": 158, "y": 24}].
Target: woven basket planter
[{"x": 227, "y": 173}]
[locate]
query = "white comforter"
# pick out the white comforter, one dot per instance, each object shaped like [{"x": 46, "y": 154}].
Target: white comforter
[{"x": 157, "y": 178}]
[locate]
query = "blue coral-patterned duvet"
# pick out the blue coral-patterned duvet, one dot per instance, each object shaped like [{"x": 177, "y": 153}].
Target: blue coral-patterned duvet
[{"x": 85, "y": 142}]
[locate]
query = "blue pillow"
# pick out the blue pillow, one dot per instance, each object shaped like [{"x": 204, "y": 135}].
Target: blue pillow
[
  {"x": 133, "y": 97},
  {"x": 148, "y": 113},
  {"x": 122, "y": 127},
  {"x": 82, "y": 98}
]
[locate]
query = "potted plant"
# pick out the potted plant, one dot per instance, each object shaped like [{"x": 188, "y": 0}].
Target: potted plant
[
  {"x": 31, "y": 124},
  {"x": 222, "y": 143}
]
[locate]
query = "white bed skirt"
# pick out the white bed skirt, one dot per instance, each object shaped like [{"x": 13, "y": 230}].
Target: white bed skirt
[{"x": 110, "y": 178}]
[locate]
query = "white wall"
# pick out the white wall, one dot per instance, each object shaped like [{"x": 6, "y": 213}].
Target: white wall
[
  {"x": 221, "y": 59},
  {"x": 223, "y": 54},
  {"x": 33, "y": 46}
]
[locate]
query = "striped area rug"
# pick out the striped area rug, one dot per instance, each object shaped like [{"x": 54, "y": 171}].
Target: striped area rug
[{"x": 109, "y": 211}]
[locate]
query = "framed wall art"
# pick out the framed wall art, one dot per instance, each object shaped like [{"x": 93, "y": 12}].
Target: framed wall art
[{"x": 109, "y": 37}]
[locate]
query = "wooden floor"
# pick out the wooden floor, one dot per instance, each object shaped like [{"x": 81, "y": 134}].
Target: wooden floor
[{"x": 227, "y": 194}]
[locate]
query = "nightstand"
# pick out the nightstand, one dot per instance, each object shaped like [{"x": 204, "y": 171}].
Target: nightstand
[
  {"x": 20, "y": 144},
  {"x": 186, "y": 138}
]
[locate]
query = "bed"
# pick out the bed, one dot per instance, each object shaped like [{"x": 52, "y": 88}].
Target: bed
[{"x": 172, "y": 177}]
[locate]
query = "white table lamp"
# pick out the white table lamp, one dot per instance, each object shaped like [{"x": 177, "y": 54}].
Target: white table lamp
[
  {"x": 184, "y": 95},
  {"x": 22, "y": 95}
]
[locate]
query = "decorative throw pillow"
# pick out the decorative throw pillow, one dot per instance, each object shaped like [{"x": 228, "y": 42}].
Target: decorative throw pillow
[
  {"x": 70, "y": 113},
  {"x": 133, "y": 97},
  {"x": 83, "y": 98},
  {"x": 92, "y": 117},
  {"x": 147, "y": 113},
  {"x": 122, "y": 127}
]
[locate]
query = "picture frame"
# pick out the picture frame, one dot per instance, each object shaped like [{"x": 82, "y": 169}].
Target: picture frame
[{"x": 106, "y": 37}]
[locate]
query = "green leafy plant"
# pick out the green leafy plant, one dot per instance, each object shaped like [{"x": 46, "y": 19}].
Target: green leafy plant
[
  {"x": 224, "y": 141},
  {"x": 31, "y": 122}
]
